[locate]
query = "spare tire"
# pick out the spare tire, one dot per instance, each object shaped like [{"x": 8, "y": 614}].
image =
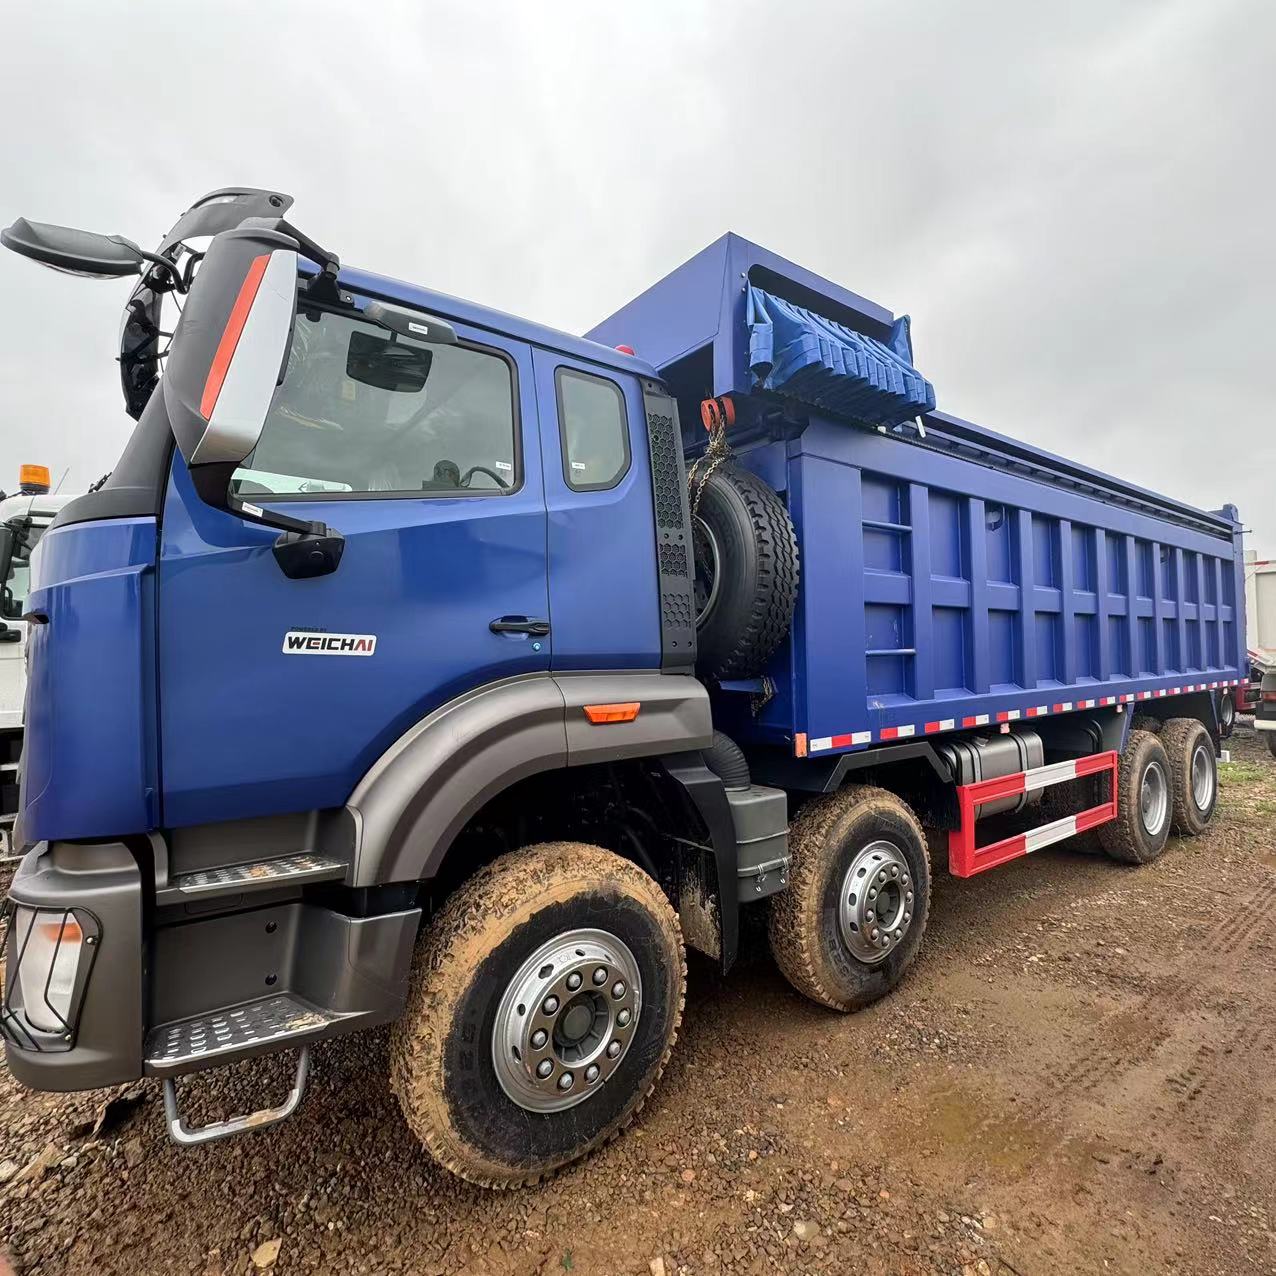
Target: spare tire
[{"x": 746, "y": 572}]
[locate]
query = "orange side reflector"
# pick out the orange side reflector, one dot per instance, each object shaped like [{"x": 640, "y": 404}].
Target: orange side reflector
[
  {"x": 602, "y": 713},
  {"x": 231, "y": 334},
  {"x": 799, "y": 744}
]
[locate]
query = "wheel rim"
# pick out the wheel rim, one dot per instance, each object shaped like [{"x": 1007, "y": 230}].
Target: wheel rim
[
  {"x": 1154, "y": 798},
  {"x": 708, "y": 568},
  {"x": 1229, "y": 712},
  {"x": 875, "y": 911},
  {"x": 1203, "y": 777},
  {"x": 566, "y": 1020}
]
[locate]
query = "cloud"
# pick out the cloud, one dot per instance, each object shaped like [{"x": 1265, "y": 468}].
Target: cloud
[{"x": 1071, "y": 201}]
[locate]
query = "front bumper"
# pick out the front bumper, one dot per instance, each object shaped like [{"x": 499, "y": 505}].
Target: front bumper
[{"x": 175, "y": 989}]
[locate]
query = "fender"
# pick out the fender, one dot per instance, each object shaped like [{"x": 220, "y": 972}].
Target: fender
[{"x": 405, "y": 813}]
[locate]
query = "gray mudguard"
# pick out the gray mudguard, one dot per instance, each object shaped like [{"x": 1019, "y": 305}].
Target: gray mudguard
[{"x": 404, "y": 814}]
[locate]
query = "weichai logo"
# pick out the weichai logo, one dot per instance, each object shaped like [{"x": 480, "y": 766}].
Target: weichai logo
[{"x": 305, "y": 642}]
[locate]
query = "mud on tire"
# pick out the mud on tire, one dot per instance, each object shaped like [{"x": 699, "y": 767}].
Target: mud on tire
[
  {"x": 1193, "y": 774},
  {"x": 831, "y": 842},
  {"x": 442, "y": 1051},
  {"x": 746, "y": 573},
  {"x": 1142, "y": 827}
]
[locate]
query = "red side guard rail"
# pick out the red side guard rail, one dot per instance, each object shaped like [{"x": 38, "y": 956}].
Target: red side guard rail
[{"x": 965, "y": 859}]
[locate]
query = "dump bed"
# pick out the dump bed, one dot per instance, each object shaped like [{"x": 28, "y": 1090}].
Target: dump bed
[{"x": 951, "y": 577}]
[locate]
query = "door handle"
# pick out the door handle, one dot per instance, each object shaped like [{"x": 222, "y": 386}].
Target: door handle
[{"x": 519, "y": 625}]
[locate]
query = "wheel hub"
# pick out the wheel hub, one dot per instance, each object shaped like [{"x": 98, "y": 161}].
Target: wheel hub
[
  {"x": 875, "y": 910},
  {"x": 566, "y": 1020},
  {"x": 708, "y": 568},
  {"x": 1203, "y": 776},
  {"x": 1154, "y": 798}
]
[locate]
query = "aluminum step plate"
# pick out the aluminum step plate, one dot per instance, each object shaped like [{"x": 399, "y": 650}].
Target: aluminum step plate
[
  {"x": 229, "y": 1030},
  {"x": 263, "y": 873}
]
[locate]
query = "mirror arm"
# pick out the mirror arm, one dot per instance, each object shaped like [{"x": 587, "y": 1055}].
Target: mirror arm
[{"x": 304, "y": 549}]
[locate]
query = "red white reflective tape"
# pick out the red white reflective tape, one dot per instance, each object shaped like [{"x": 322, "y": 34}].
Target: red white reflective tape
[{"x": 852, "y": 739}]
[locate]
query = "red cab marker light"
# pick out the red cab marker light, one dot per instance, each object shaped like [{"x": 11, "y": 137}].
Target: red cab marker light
[
  {"x": 601, "y": 714},
  {"x": 626, "y": 350}
]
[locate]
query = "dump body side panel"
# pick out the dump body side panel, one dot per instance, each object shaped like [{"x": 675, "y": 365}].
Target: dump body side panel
[{"x": 937, "y": 592}]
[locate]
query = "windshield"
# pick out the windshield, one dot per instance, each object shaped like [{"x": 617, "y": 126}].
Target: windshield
[
  {"x": 17, "y": 584},
  {"x": 361, "y": 410}
]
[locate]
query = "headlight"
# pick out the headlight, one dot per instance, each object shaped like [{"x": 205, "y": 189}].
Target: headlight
[{"x": 48, "y": 947}]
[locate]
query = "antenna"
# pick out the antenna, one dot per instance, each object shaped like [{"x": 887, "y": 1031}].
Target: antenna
[{"x": 61, "y": 481}]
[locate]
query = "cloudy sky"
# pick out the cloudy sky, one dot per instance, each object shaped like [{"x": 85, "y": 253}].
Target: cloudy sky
[{"x": 1074, "y": 202}]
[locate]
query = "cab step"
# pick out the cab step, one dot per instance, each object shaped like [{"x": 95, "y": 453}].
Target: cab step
[
  {"x": 188, "y": 1135},
  {"x": 233, "y": 1031},
  {"x": 287, "y": 870}
]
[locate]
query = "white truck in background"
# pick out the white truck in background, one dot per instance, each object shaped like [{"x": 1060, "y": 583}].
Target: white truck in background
[
  {"x": 23, "y": 520},
  {"x": 1260, "y": 606}
]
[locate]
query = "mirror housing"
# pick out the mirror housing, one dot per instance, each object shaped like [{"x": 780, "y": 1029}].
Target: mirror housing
[{"x": 75, "y": 252}]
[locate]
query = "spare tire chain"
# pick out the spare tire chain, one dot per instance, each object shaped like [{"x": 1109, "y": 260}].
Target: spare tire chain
[{"x": 718, "y": 451}]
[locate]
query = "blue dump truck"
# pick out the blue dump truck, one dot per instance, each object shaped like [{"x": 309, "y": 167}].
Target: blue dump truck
[{"x": 418, "y": 664}]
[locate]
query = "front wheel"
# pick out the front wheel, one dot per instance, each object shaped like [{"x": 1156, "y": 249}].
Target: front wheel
[
  {"x": 852, "y": 918},
  {"x": 546, "y": 998}
]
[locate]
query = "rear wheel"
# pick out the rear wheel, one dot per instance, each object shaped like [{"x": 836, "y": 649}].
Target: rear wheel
[
  {"x": 546, "y": 998},
  {"x": 852, "y": 918},
  {"x": 1271, "y": 742},
  {"x": 1142, "y": 826},
  {"x": 1193, "y": 774}
]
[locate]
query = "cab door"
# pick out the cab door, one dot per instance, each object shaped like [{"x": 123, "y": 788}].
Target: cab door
[
  {"x": 278, "y": 694},
  {"x": 604, "y": 595}
]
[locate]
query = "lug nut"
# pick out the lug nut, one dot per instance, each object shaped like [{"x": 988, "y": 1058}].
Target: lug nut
[
  {"x": 873, "y": 934},
  {"x": 549, "y": 1005},
  {"x": 618, "y": 989},
  {"x": 573, "y": 981},
  {"x": 908, "y": 899},
  {"x": 623, "y": 1019},
  {"x": 881, "y": 875},
  {"x": 544, "y": 1068},
  {"x": 591, "y": 1073},
  {"x": 565, "y": 1081},
  {"x": 539, "y": 1038},
  {"x": 894, "y": 870},
  {"x": 613, "y": 1050},
  {"x": 872, "y": 894},
  {"x": 908, "y": 917},
  {"x": 870, "y": 916},
  {"x": 600, "y": 975}
]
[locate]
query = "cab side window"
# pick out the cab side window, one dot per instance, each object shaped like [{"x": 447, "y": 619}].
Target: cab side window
[{"x": 595, "y": 430}]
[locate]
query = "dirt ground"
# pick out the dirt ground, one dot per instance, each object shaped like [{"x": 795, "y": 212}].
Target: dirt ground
[{"x": 1077, "y": 1076}]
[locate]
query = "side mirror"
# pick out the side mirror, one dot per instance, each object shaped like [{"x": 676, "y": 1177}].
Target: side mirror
[
  {"x": 229, "y": 355},
  {"x": 77, "y": 252}
]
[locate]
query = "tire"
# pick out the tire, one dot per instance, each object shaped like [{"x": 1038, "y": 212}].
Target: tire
[
  {"x": 1226, "y": 714},
  {"x": 832, "y": 843},
  {"x": 1271, "y": 742},
  {"x": 481, "y": 958},
  {"x": 746, "y": 573},
  {"x": 1144, "y": 723},
  {"x": 1129, "y": 838},
  {"x": 1193, "y": 774}
]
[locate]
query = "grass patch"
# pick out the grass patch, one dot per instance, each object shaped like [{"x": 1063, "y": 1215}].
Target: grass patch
[{"x": 1241, "y": 772}]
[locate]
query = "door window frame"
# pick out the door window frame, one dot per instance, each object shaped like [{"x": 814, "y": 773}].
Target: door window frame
[
  {"x": 618, "y": 477},
  {"x": 516, "y": 424}
]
